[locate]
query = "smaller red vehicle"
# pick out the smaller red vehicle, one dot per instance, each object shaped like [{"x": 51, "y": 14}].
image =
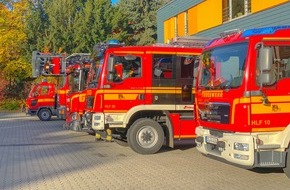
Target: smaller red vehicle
[
  {"x": 54, "y": 102},
  {"x": 41, "y": 101}
]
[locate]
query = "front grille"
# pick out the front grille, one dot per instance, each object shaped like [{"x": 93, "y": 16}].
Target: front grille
[
  {"x": 215, "y": 112},
  {"x": 90, "y": 102}
]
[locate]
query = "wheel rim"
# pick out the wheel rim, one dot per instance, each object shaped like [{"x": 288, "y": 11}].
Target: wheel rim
[
  {"x": 147, "y": 137},
  {"x": 45, "y": 115}
]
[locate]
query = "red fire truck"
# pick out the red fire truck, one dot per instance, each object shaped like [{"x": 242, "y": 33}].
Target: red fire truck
[
  {"x": 53, "y": 102},
  {"x": 41, "y": 99},
  {"x": 75, "y": 99},
  {"x": 143, "y": 95},
  {"x": 243, "y": 98}
]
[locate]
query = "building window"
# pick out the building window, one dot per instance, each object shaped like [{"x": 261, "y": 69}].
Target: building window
[{"x": 235, "y": 8}]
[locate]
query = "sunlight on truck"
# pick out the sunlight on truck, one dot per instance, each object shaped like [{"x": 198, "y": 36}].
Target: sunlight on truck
[
  {"x": 143, "y": 95},
  {"x": 243, "y": 98}
]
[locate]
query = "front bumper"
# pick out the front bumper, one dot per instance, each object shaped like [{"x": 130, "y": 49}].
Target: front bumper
[
  {"x": 30, "y": 112},
  {"x": 234, "y": 148}
]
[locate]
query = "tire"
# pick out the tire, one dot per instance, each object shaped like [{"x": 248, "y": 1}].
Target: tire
[
  {"x": 44, "y": 114},
  {"x": 287, "y": 168},
  {"x": 145, "y": 136}
]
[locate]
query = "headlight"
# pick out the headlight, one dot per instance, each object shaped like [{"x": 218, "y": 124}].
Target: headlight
[
  {"x": 241, "y": 146},
  {"x": 97, "y": 117}
]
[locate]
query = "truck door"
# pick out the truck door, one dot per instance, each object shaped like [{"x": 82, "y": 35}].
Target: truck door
[
  {"x": 271, "y": 108},
  {"x": 125, "y": 82},
  {"x": 164, "y": 79}
]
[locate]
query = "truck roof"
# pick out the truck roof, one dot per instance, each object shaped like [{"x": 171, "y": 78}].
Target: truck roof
[
  {"x": 237, "y": 35},
  {"x": 154, "y": 49}
]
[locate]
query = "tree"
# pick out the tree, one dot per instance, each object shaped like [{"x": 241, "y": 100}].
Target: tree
[
  {"x": 13, "y": 64},
  {"x": 37, "y": 27},
  {"x": 93, "y": 24},
  {"x": 140, "y": 16},
  {"x": 61, "y": 16}
]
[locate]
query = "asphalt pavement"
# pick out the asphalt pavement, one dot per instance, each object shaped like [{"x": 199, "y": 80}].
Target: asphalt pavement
[{"x": 42, "y": 155}]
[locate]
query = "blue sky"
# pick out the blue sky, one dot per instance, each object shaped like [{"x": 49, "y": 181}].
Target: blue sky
[{"x": 114, "y": 1}]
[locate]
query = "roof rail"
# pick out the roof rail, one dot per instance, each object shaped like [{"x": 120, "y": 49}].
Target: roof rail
[
  {"x": 187, "y": 41},
  {"x": 228, "y": 33}
]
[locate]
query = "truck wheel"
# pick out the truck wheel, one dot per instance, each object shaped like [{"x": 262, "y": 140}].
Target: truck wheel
[
  {"x": 287, "y": 168},
  {"x": 145, "y": 136},
  {"x": 44, "y": 114}
]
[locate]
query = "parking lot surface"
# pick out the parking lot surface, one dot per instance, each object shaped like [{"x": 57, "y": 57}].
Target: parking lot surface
[{"x": 42, "y": 155}]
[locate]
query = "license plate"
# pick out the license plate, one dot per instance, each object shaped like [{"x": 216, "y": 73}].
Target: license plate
[{"x": 211, "y": 139}]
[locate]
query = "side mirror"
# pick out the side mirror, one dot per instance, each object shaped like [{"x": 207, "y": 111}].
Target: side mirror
[
  {"x": 266, "y": 78},
  {"x": 265, "y": 63},
  {"x": 110, "y": 76},
  {"x": 265, "y": 59}
]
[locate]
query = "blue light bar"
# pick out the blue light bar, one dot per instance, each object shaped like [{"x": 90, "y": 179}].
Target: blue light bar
[
  {"x": 265, "y": 30},
  {"x": 113, "y": 42}
]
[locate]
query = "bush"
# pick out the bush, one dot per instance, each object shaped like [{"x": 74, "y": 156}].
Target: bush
[{"x": 11, "y": 104}]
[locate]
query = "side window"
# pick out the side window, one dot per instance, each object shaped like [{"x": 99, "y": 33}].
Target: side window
[
  {"x": 126, "y": 67},
  {"x": 163, "y": 66},
  {"x": 44, "y": 90},
  {"x": 36, "y": 91},
  {"x": 281, "y": 64}
]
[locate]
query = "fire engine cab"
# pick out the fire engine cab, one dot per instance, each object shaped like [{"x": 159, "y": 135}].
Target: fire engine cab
[
  {"x": 41, "y": 101},
  {"x": 143, "y": 95},
  {"x": 242, "y": 98}
]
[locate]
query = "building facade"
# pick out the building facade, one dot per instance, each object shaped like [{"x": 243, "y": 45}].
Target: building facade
[{"x": 209, "y": 18}]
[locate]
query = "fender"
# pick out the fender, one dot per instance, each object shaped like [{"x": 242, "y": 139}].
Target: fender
[{"x": 140, "y": 108}]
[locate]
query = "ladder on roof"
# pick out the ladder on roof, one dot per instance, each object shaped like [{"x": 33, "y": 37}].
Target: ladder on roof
[
  {"x": 186, "y": 41},
  {"x": 189, "y": 41}
]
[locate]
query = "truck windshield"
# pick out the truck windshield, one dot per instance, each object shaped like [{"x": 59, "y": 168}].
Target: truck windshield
[{"x": 223, "y": 67}]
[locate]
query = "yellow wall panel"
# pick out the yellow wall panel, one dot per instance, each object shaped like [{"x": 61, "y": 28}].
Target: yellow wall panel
[
  {"x": 258, "y": 5},
  {"x": 181, "y": 24},
  {"x": 172, "y": 28},
  {"x": 169, "y": 26},
  {"x": 166, "y": 30},
  {"x": 209, "y": 14},
  {"x": 192, "y": 20}
]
